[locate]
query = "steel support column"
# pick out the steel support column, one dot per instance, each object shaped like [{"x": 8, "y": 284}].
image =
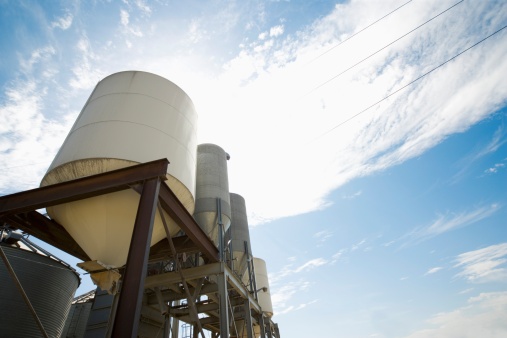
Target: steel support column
[
  {"x": 262, "y": 325},
  {"x": 248, "y": 319},
  {"x": 223, "y": 299},
  {"x": 126, "y": 322}
]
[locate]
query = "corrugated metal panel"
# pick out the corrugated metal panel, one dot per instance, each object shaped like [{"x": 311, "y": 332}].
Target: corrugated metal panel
[
  {"x": 49, "y": 285},
  {"x": 75, "y": 325},
  {"x": 99, "y": 315}
]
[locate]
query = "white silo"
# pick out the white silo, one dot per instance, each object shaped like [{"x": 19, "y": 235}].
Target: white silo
[
  {"x": 262, "y": 289},
  {"x": 238, "y": 234},
  {"x": 131, "y": 117},
  {"x": 262, "y": 286},
  {"x": 212, "y": 185}
]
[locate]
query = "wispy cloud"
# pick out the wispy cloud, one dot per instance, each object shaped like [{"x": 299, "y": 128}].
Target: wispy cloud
[
  {"x": 499, "y": 139},
  {"x": 26, "y": 137},
  {"x": 64, "y": 22},
  {"x": 494, "y": 169},
  {"x": 352, "y": 196},
  {"x": 323, "y": 235},
  {"x": 281, "y": 296},
  {"x": 483, "y": 316},
  {"x": 294, "y": 268},
  {"x": 433, "y": 270},
  {"x": 284, "y": 287},
  {"x": 484, "y": 265},
  {"x": 448, "y": 222}
]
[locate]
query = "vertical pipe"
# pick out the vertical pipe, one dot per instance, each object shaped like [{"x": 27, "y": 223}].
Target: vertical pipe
[
  {"x": 251, "y": 271},
  {"x": 128, "y": 313},
  {"x": 175, "y": 331},
  {"x": 224, "y": 309},
  {"x": 220, "y": 231},
  {"x": 269, "y": 329},
  {"x": 248, "y": 319},
  {"x": 262, "y": 326},
  {"x": 167, "y": 326}
]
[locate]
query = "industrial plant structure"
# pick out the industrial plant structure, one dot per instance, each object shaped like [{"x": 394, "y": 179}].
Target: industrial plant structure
[{"x": 150, "y": 214}]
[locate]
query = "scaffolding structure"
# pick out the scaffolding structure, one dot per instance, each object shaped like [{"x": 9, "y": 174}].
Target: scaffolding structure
[{"x": 184, "y": 278}]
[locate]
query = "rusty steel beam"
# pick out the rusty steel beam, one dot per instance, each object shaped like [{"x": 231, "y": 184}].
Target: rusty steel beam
[
  {"x": 186, "y": 222},
  {"x": 126, "y": 322},
  {"x": 81, "y": 188},
  {"x": 47, "y": 230}
]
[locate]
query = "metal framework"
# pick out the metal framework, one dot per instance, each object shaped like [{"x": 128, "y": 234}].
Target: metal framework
[{"x": 227, "y": 300}]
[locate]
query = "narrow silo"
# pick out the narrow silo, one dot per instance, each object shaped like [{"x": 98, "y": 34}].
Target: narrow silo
[
  {"x": 212, "y": 185},
  {"x": 131, "y": 117},
  {"x": 239, "y": 234},
  {"x": 262, "y": 282},
  {"x": 49, "y": 285}
]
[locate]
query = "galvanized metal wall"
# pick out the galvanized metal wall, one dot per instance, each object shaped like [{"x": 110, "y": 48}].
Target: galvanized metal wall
[{"x": 49, "y": 285}]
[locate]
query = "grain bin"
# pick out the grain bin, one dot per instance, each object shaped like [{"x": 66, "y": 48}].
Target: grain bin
[
  {"x": 131, "y": 117},
  {"x": 48, "y": 284},
  {"x": 212, "y": 184}
]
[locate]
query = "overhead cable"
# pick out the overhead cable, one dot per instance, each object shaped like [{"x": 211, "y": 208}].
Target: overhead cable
[
  {"x": 381, "y": 49},
  {"x": 410, "y": 83},
  {"x": 358, "y": 32}
]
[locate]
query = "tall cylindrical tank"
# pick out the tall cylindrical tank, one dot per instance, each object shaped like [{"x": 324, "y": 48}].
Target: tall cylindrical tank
[
  {"x": 262, "y": 283},
  {"x": 49, "y": 285},
  {"x": 238, "y": 234},
  {"x": 131, "y": 117},
  {"x": 212, "y": 183}
]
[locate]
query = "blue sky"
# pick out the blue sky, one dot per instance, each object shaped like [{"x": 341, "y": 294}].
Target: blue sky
[{"x": 376, "y": 217}]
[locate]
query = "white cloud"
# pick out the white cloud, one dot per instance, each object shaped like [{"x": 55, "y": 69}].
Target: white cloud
[
  {"x": 484, "y": 265},
  {"x": 290, "y": 270},
  {"x": 499, "y": 139},
  {"x": 280, "y": 297},
  {"x": 358, "y": 245},
  {"x": 323, "y": 236},
  {"x": 484, "y": 316},
  {"x": 38, "y": 56},
  {"x": 86, "y": 69},
  {"x": 311, "y": 264},
  {"x": 141, "y": 4},
  {"x": 433, "y": 270},
  {"x": 449, "y": 222},
  {"x": 276, "y": 31},
  {"x": 27, "y": 137},
  {"x": 124, "y": 17},
  {"x": 494, "y": 169},
  {"x": 64, "y": 22},
  {"x": 354, "y": 195}
]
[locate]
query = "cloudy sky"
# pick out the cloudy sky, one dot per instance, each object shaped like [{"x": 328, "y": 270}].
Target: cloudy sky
[{"x": 368, "y": 138}]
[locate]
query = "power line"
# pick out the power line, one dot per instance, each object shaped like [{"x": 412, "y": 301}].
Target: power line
[
  {"x": 410, "y": 83},
  {"x": 381, "y": 49},
  {"x": 360, "y": 31}
]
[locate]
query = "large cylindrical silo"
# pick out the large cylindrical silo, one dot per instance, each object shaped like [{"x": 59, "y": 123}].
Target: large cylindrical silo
[
  {"x": 130, "y": 118},
  {"x": 212, "y": 183},
  {"x": 239, "y": 233},
  {"x": 48, "y": 284}
]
